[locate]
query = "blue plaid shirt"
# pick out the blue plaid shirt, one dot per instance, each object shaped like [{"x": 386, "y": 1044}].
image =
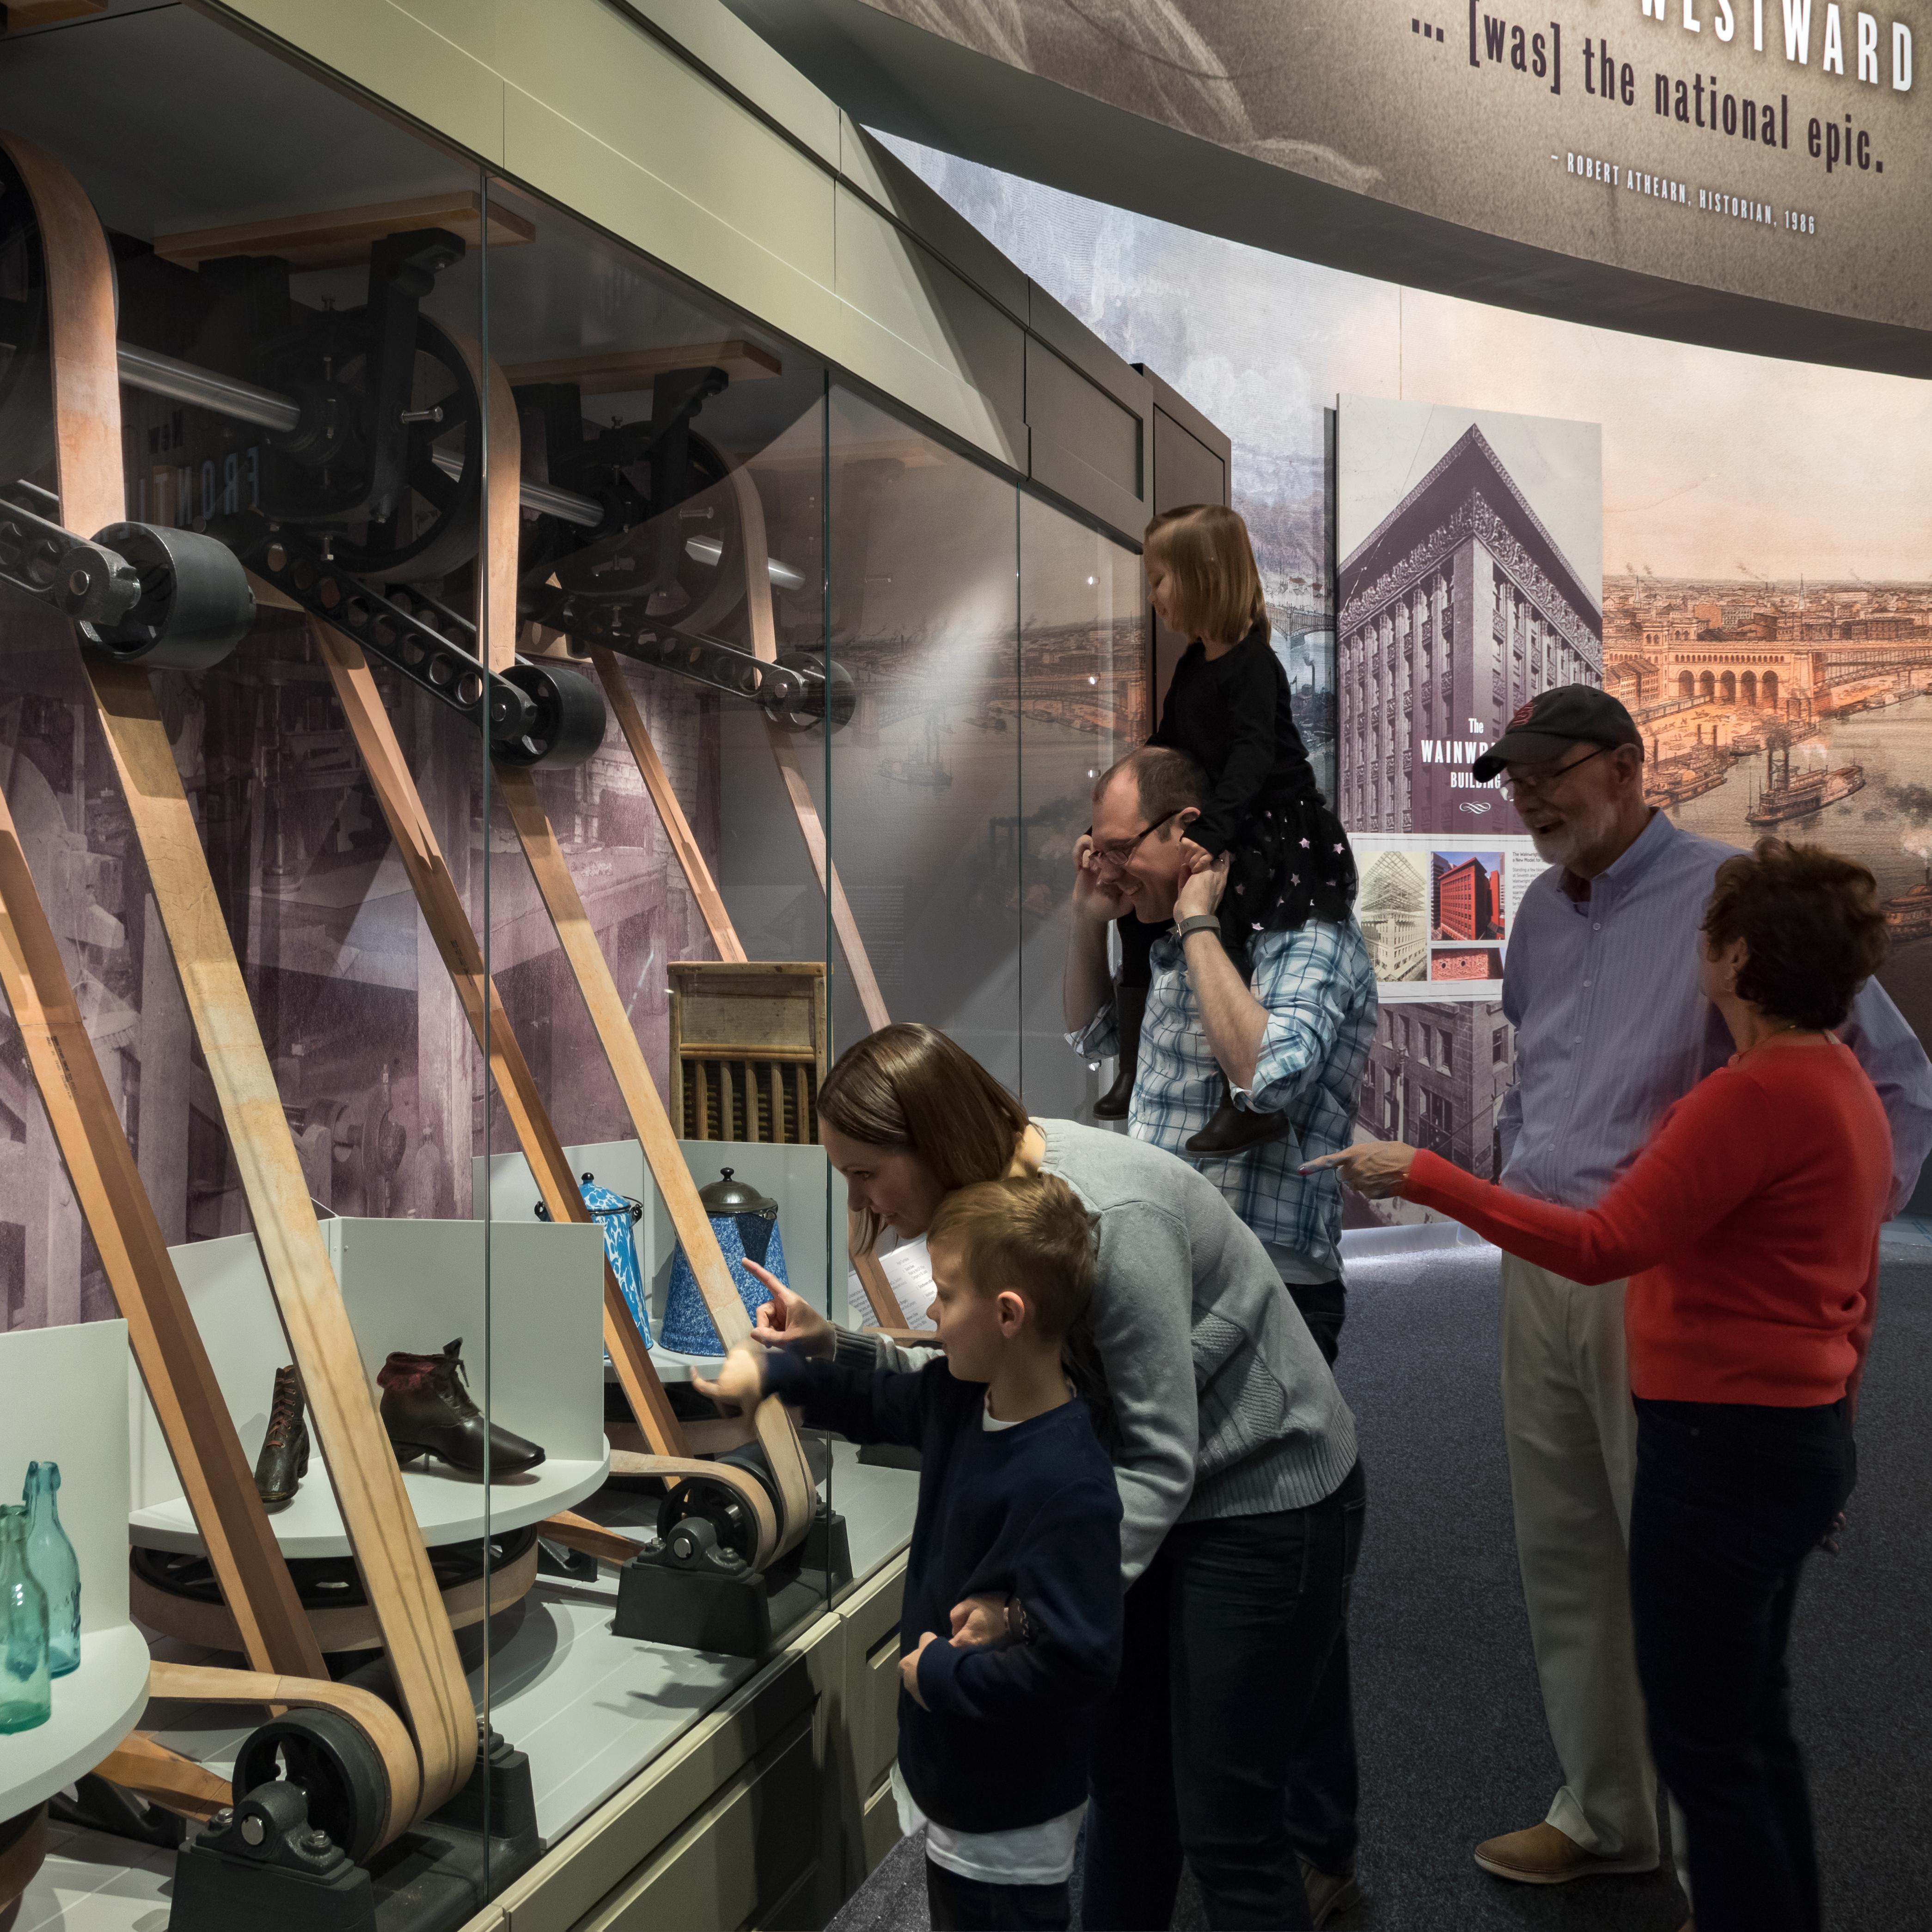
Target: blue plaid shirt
[{"x": 1319, "y": 990}]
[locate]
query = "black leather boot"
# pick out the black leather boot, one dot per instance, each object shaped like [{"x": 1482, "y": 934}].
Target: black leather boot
[
  {"x": 284, "y": 1461},
  {"x": 427, "y": 1412},
  {"x": 1129, "y": 1009},
  {"x": 1232, "y": 1128}
]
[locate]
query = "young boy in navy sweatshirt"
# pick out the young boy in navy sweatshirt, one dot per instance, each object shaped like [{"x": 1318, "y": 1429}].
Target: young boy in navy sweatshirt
[{"x": 1017, "y": 1502}]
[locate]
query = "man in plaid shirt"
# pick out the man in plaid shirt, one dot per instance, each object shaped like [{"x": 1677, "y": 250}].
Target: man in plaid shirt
[
  {"x": 1213, "y": 1611},
  {"x": 1297, "y": 1042}
]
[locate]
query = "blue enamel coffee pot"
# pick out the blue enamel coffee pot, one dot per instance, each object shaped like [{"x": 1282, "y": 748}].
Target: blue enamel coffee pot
[{"x": 746, "y": 1224}]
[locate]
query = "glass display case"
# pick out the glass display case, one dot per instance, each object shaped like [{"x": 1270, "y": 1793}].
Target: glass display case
[{"x": 482, "y": 725}]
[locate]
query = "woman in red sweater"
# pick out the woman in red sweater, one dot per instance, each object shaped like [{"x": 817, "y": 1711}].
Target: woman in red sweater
[{"x": 1749, "y": 1228}]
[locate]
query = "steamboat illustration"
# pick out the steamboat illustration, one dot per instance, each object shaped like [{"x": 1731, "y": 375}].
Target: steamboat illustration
[
  {"x": 1785, "y": 797},
  {"x": 1908, "y": 915}
]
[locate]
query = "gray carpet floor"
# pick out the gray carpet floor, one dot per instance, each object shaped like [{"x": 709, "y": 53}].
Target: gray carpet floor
[{"x": 1450, "y": 1726}]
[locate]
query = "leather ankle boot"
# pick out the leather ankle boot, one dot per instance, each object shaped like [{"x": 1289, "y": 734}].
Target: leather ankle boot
[
  {"x": 428, "y": 1411},
  {"x": 1130, "y": 1009},
  {"x": 283, "y": 1461},
  {"x": 1233, "y": 1128}
]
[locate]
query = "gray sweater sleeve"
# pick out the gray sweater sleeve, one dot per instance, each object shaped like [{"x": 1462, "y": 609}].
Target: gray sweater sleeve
[
  {"x": 861, "y": 1351},
  {"x": 1143, "y": 1327}
]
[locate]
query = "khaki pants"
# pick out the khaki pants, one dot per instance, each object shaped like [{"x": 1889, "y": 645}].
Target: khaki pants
[{"x": 1572, "y": 1435}]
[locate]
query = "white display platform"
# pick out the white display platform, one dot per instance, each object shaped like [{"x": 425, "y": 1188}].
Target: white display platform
[
  {"x": 95, "y": 1706},
  {"x": 411, "y": 1285},
  {"x": 798, "y": 1178},
  {"x": 61, "y": 1401}
]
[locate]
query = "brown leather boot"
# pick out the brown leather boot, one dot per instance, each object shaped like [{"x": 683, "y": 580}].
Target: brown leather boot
[
  {"x": 428, "y": 1411},
  {"x": 284, "y": 1461},
  {"x": 1231, "y": 1128},
  {"x": 1130, "y": 1009}
]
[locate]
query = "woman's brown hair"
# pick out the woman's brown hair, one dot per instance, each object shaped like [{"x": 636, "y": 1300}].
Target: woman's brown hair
[
  {"x": 1217, "y": 588},
  {"x": 910, "y": 1090},
  {"x": 1813, "y": 930}
]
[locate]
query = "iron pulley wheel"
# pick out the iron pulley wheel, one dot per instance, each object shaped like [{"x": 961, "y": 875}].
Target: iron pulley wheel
[
  {"x": 706, "y": 1523},
  {"x": 566, "y": 725},
  {"x": 331, "y": 1762},
  {"x": 191, "y": 603}
]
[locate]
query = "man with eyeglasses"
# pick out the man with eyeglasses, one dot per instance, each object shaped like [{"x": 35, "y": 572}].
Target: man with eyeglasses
[
  {"x": 1600, "y": 980},
  {"x": 1262, "y": 1736}
]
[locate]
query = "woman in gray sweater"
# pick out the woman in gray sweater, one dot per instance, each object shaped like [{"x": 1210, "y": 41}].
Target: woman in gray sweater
[{"x": 1235, "y": 1456}]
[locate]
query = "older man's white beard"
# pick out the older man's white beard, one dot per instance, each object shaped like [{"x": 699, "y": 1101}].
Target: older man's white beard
[{"x": 1582, "y": 830}]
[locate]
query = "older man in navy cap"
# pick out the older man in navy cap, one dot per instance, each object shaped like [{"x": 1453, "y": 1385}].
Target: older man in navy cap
[{"x": 1600, "y": 983}]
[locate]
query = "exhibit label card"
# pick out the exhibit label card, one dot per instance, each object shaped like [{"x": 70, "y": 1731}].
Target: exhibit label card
[{"x": 1437, "y": 911}]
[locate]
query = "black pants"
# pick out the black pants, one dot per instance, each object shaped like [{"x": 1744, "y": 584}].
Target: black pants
[
  {"x": 1730, "y": 1499},
  {"x": 1324, "y": 1307},
  {"x": 972, "y": 1905},
  {"x": 1230, "y": 1737}
]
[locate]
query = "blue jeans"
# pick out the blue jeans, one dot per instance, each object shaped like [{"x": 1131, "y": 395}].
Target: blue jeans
[
  {"x": 1730, "y": 1500},
  {"x": 1229, "y": 1738}
]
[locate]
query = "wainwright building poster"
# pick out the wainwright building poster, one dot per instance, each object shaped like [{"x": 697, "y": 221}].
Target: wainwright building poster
[{"x": 1459, "y": 600}]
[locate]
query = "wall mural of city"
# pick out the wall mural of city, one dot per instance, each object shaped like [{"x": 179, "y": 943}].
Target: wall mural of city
[{"x": 1767, "y": 564}]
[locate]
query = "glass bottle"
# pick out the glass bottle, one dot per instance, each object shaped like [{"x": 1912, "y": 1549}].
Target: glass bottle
[
  {"x": 26, "y": 1689},
  {"x": 55, "y": 1567}
]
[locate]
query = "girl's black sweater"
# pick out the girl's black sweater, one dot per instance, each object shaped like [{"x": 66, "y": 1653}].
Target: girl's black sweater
[
  {"x": 1234, "y": 716},
  {"x": 1031, "y": 1512}
]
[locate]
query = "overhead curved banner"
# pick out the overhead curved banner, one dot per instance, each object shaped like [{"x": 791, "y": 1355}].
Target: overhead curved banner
[{"x": 1748, "y": 172}]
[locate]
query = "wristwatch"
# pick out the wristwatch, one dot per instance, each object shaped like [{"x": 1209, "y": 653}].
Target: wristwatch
[{"x": 1199, "y": 921}]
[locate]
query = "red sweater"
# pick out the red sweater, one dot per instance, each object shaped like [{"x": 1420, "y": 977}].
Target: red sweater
[{"x": 1748, "y": 1228}]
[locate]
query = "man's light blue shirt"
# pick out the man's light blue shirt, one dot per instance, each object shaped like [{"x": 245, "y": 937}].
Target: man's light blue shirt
[{"x": 1611, "y": 1026}]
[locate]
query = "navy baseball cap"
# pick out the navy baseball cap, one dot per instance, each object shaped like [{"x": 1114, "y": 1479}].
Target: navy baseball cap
[{"x": 1552, "y": 721}]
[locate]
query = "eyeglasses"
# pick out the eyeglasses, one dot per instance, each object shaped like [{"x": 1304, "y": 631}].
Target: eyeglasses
[
  {"x": 1116, "y": 858},
  {"x": 1540, "y": 778}
]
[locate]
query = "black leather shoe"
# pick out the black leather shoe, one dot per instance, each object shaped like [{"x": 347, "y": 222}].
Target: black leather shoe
[
  {"x": 1233, "y": 1128},
  {"x": 284, "y": 1461},
  {"x": 427, "y": 1412},
  {"x": 1130, "y": 1009}
]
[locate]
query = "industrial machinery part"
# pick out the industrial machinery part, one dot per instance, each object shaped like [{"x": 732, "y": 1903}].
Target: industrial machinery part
[
  {"x": 167, "y": 599},
  {"x": 534, "y": 713}
]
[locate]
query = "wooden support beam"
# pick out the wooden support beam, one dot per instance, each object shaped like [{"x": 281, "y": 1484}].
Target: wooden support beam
[
  {"x": 886, "y": 1308},
  {"x": 140, "y": 1763},
  {"x": 361, "y": 1466},
  {"x": 652, "y": 1127},
  {"x": 785, "y": 751},
  {"x": 503, "y": 506},
  {"x": 214, "y": 1473},
  {"x": 339, "y": 238},
  {"x": 368, "y": 1486},
  {"x": 623, "y": 704},
  {"x": 456, "y": 943},
  {"x": 579, "y": 1532}
]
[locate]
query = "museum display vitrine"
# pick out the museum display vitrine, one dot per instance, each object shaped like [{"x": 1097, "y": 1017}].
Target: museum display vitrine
[{"x": 484, "y": 723}]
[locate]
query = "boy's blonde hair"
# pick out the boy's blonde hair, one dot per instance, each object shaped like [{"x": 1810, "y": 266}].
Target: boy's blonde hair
[
  {"x": 1028, "y": 1232},
  {"x": 1217, "y": 588}
]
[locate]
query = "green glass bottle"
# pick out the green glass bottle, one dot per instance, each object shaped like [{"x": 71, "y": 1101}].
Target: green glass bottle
[
  {"x": 26, "y": 1688},
  {"x": 55, "y": 1567}
]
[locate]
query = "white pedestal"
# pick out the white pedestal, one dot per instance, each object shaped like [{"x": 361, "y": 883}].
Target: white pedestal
[
  {"x": 533, "y": 1344},
  {"x": 95, "y": 1706},
  {"x": 61, "y": 1401}
]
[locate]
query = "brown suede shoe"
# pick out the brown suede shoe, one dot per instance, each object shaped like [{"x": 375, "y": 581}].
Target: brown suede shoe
[{"x": 1544, "y": 1855}]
